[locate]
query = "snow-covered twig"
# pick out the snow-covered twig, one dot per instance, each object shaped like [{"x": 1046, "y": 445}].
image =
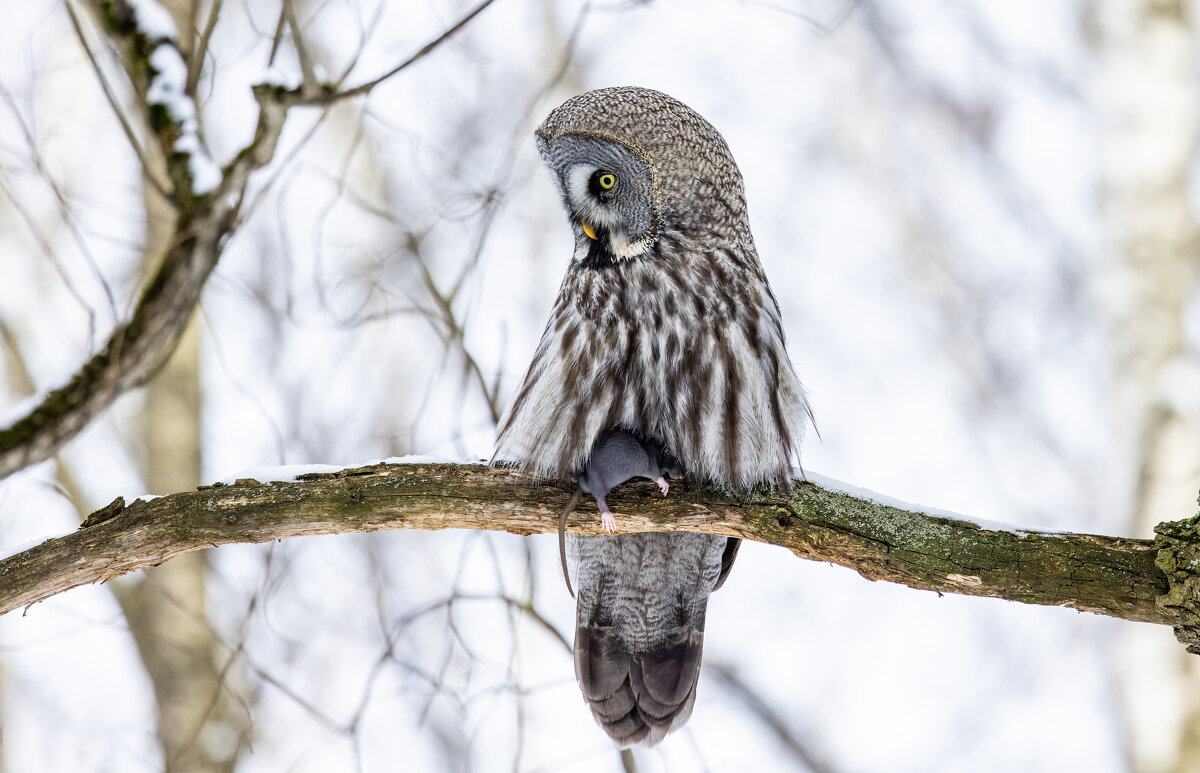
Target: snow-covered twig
[{"x": 205, "y": 218}]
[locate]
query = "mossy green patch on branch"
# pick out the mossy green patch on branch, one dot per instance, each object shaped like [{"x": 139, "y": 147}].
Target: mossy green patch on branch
[
  {"x": 1103, "y": 575},
  {"x": 1179, "y": 559}
]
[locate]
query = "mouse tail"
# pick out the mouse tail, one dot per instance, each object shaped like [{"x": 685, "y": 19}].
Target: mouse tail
[{"x": 562, "y": 536}]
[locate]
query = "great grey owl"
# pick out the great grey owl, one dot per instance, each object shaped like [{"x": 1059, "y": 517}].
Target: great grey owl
[{"x": 664, "y": 328}]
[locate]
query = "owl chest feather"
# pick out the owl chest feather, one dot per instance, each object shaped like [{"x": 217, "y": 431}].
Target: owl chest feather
[{"x": 683, "y": 347}]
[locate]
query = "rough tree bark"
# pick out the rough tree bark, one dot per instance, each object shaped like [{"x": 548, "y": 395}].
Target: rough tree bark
[
  {"x": 1105, "y": 575},
  {"x": 204, "y": 220},
  {"x": 189, "y": 224}
]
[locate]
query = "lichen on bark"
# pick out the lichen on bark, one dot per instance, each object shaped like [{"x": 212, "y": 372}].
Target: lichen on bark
[{"x": 1178, "y": 545}]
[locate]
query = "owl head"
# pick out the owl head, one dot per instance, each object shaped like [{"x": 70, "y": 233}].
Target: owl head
[{"x": 632, "y": 164}]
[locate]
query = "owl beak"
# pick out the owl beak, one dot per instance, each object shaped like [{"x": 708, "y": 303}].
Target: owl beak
[{"x": 587, "y": 229}]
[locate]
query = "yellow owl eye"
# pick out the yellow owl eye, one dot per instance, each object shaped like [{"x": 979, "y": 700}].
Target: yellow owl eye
[{"x": 607, "y": 181}]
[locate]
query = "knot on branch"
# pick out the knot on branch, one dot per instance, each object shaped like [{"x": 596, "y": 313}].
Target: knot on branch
[
  {"x": 108, "y": 512},
  {"x": 1178, "y": 544}
]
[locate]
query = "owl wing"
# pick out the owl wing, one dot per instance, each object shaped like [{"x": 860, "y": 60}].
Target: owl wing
[{"x": 534, "y": 430}]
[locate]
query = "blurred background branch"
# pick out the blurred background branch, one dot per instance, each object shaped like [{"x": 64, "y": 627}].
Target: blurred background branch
[{"x": 205, "y": 215}]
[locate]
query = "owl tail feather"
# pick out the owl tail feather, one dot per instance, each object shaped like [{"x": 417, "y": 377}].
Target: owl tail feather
[{"x": 638, "y": 697}]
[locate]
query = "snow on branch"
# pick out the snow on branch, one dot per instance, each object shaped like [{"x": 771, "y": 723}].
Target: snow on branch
[
  {"x": 207, "y": 200},
  {"x": 1104, "y": 575},
  {"x": 207, "y": 203}
]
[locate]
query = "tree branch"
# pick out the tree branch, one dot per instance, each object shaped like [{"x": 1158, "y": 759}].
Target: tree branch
[
  {"x": 206, "y": 218},
  {"x": 1104, "y": 575},
  {"x": 332, "y": 93},
  {"x": 136, "y": 350}
]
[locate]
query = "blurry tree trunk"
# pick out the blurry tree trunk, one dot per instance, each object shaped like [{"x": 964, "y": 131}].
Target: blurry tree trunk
[
  {"x": 18, "y": 384},
  {"x": 200, "y": 725},
  {"x": 1150, "y": 118},
  {"x": 368, "y": 176}
]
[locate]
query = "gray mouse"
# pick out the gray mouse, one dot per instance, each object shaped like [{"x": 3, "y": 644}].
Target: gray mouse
[{"x": 616, "y": 458}]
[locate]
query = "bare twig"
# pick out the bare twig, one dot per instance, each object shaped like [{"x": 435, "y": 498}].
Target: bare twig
[
  {"x": 64, "y": 206},
  {"x": 196, "y": 66},
  {"x": 306, "y": 63},
  {"x": 454, "y": 335},
  {"x": 136, "y": 350},
  {"x": 329, "y": 97},
  {"x": 750, "y": 698},
  {"x": 149, "y": 169},
  {"x": 35, "y": 230}
]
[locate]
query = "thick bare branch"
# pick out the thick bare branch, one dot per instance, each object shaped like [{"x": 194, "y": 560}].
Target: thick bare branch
[
  {"x": 1105, "y": 575},
  {"x": 206, "y": 218},
  {"x": 137, "y": 349}
]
